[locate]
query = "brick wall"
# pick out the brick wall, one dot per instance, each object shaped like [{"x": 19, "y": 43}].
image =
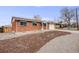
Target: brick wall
[{"x": 29, "y": 27}]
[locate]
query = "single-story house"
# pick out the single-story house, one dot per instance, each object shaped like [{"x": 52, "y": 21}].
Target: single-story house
[
  {"x": 25, "y": 24},
  {"x": 19, "y": 24}
]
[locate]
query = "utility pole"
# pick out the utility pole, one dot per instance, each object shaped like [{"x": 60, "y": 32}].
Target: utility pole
[{"x": 77, "y": 19}]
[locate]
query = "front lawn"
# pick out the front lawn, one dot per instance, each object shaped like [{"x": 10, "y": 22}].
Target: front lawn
[{"x": 29, "y": 43}]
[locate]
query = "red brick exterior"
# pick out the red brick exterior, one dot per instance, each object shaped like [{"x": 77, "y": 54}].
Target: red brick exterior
[{"x": 28, "y": 27}]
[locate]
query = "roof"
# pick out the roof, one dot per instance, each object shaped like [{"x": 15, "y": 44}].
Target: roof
[{"x": 26, "y": 19}]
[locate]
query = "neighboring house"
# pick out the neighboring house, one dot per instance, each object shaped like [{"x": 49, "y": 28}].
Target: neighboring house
[
  {"x": 25, "y": 24},
  {"x": 1, "y": 30},
  {"x": 53, "y": 25},
  {"x": 6, "y": 28},
  {"x": 59, "y": 25}
]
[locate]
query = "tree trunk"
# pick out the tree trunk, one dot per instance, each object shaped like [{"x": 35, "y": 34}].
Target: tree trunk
[{"x": 69, "y": 24}]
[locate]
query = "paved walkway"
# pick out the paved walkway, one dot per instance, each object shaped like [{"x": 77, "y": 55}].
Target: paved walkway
[{"x": 67, "y": 43}]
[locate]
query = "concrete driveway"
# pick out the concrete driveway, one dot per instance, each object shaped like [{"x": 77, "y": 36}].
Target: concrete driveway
[{"x": 62, "y": 44}]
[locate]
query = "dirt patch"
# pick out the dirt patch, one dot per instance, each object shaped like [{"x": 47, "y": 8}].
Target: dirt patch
[{"x": 28, "y": 43}]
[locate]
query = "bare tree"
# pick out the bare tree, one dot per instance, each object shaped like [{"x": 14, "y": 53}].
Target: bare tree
[
  {"x": 77, "y": 21},
  {"x": 67, "y": 15}
]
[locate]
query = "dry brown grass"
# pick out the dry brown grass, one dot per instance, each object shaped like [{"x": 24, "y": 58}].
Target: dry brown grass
[{"x": 28, "y": 43}]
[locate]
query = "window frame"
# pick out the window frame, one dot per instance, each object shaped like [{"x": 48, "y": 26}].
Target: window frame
[
  {"x": 23, "y": 23},
  {"x": 44, "y": 24},
  {"x": 34, "y": 23}
]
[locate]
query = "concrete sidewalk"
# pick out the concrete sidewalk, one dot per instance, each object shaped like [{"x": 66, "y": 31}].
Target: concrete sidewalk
[{"x": 65, "y": 44}]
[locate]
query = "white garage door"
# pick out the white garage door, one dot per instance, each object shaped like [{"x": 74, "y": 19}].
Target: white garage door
[{"x": 51, "y": 26}]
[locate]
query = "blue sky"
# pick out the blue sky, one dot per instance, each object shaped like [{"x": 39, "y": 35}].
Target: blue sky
[{"x": 46, "y": 12}]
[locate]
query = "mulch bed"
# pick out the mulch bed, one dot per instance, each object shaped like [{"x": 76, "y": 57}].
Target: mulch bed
[{"x": 28, "y": 43}]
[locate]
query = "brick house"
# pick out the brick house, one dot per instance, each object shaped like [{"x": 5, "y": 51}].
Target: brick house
[{"x": 25, "y": 24}]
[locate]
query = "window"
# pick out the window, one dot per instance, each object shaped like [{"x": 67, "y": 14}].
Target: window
[
  {"x": 44, "y": 24},
  {"x": 23, "y": 23},
  {"x": 40, "y": 24},
  {"x": 34, "y": 23}
]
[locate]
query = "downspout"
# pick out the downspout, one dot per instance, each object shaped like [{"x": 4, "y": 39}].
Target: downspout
[
  {"x": 46, "y": 25},
  {"x": 42, "y": 25}
]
